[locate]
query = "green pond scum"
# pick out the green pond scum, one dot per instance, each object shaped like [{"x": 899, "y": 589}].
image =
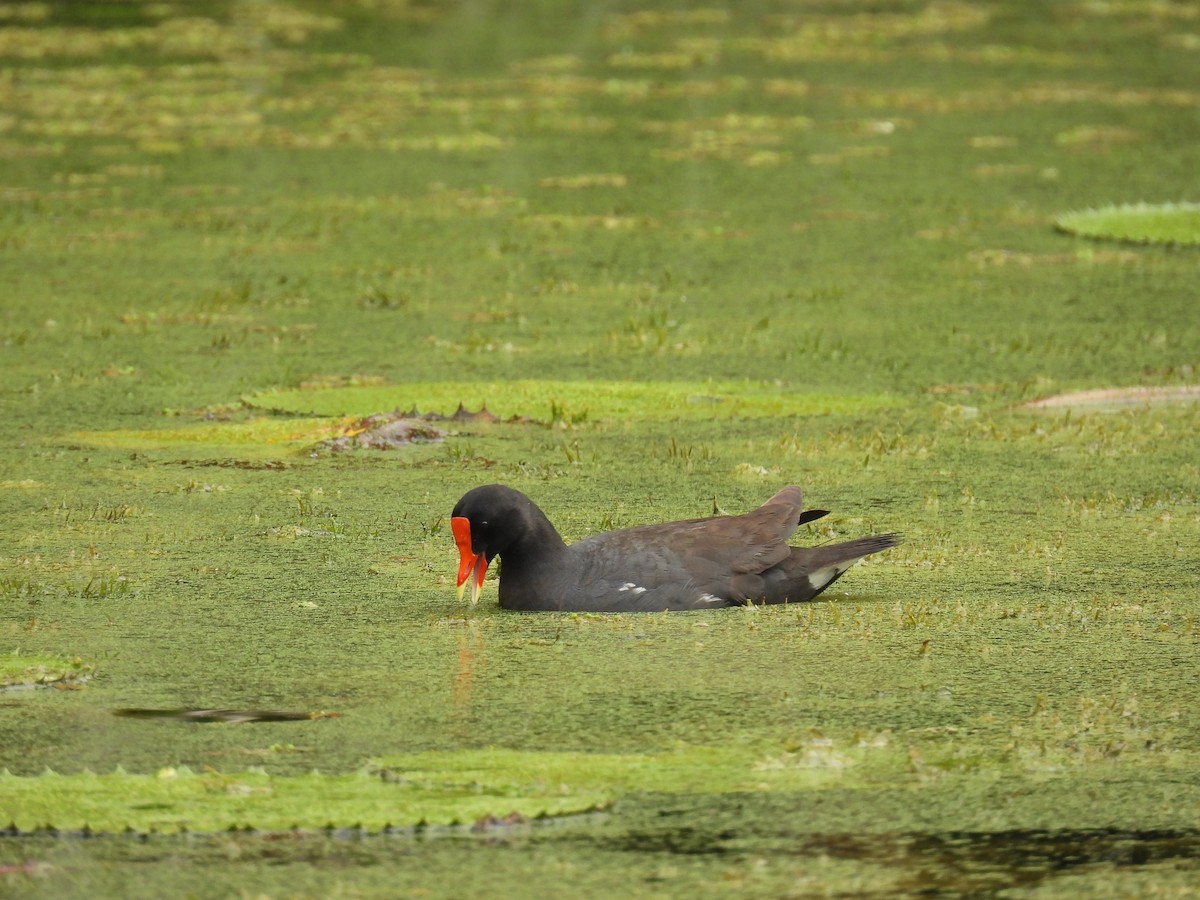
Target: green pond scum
[{"x": 682, "y": 256}]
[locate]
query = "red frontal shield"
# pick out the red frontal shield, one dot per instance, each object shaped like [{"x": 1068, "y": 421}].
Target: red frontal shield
[{"x": 470, "y": 563}]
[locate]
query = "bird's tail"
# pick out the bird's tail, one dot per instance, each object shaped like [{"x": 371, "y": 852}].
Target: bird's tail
[
  {"x": 859, "y": 547},
  {"x": 810, "y": 570}
]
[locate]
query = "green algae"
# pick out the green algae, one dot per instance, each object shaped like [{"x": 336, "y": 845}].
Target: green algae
[{"x": 822, "y": 248}]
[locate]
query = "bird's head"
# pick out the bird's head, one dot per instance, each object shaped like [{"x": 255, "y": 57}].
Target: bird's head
[{"x": 484, "y": 522}]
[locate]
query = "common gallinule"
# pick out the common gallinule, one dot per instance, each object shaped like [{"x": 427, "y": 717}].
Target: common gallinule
[{"x": 695, "y": 564}]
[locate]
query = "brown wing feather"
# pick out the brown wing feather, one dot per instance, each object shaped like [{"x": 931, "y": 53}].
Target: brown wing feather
[{"x": 765, "y": 531}]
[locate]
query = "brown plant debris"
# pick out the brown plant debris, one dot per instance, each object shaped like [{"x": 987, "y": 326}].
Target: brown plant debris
[{"x": 1119, "y": 397}]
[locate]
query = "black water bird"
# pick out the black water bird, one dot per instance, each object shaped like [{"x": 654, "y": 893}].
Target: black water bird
[{"x": 694, "y": 564}]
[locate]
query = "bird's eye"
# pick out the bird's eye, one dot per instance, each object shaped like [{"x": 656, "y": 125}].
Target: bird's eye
[{"x": 483, "y": 524}]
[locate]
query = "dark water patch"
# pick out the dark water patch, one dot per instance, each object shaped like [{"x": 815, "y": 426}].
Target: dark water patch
[
  {"x": 959, "y": 862},
  {"x": 227, "y": 716},
  {"x": 883, "y": 864},
  {"x": 946, "y": 864},
  {"x": 894, "y": 844},
  {"x": 1026, "y": 858}
]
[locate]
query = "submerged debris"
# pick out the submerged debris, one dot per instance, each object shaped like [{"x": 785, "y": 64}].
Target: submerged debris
[
  {"x": 384, "y": 432},
  {"x": 389, "y": 431},
  {"x": 19, "y": 673},
  {"x": 493, "y": 823}
]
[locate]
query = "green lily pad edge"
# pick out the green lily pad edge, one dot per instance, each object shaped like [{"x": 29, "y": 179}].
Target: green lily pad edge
[
  {"x": 572, "y": 402},
  {"x": 486, "y": 787},
  {"x": 315, "y": 415},
  {"x": 1168, "y": 224},
  {"x": 406, "y": 791}
]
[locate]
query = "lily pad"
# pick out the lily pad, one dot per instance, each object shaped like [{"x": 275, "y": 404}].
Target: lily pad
[
  {"x": 175, "y": 800},
  {"x": 572, "y": 402},
  {"x": 332, "y": 417},
  {"x": 435, "y": 788},
  {"x": 262, "y": 434},
  {"x": 1140, "y": 223}
]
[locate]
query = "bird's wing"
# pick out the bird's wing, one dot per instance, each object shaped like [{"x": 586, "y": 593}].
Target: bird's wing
[
  {"x": 760, "y": 537},
  {"x": 691, "y": 563}
]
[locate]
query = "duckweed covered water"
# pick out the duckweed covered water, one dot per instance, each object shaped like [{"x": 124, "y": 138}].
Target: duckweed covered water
[{"x": 704, "y": 253}]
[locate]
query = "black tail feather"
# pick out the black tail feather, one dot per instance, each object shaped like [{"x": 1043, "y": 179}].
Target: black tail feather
[{"x": 811, "y": 515}]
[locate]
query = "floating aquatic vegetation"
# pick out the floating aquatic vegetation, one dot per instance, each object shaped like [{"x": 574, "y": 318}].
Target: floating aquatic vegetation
[
  {"x": 992, "y": 142},
  {"x": 1147, "y": 10},
  {"x": 261, "y": 434},
  {"x": 459, "y": 786},
  {"x": 665, "y": 59},
  {"x": 865, "y": 36},
  {"x": 844, "y": 155},
  {"x": 1096, "y": 135},
  {"x": 23, "y": 670},
  {"x": 1138, "y": 223},
  {"x": 386, "y": 433},
  {"x": 390, "y": 431},
  {"x": 992, "y": 258},
  {"x": 602, "y": 400},
  {"x": 602, "y": 179},
  {"x": 742, "y": 138},
  {"x": 553, "y": 63},
  {"x": 569, "y": 222},
  {"x": 927, "y": 100},
  {"x": 406, "y": 793},
  {"x": 1003, "y": 170},
  {"x": 1182, "y": 40},
  {"x": 627, "y": 25}
]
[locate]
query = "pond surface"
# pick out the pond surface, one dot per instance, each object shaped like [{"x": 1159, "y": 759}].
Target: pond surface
[{"x": 686, "y": 257}]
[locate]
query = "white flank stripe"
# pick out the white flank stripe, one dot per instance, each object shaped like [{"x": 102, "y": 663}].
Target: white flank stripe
[{"x": 822, "y": 577}]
